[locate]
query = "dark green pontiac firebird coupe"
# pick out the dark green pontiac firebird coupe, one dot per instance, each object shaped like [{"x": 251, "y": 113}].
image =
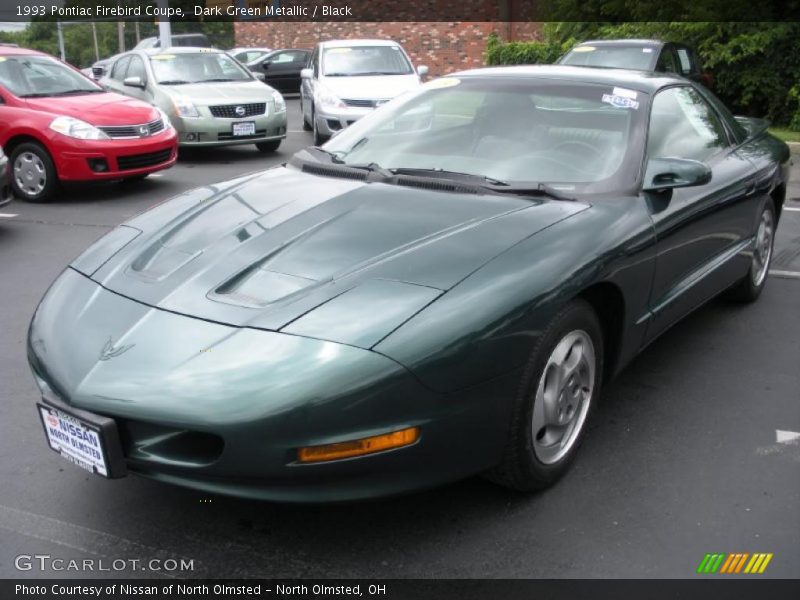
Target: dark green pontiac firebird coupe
[{"x": 439, "y": 291}]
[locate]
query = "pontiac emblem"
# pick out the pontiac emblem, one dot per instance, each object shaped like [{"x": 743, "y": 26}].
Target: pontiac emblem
[
  {"x": 109, "y": 351},
  {"x": 240, "y": 111},
  {"x": 144, "y": 131}
]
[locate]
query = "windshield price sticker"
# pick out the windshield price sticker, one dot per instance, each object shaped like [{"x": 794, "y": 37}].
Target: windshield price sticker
[{"x": 621, "y": 98}]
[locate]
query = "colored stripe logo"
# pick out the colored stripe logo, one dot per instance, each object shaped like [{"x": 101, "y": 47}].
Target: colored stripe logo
[{"x": 737, "y": 562}]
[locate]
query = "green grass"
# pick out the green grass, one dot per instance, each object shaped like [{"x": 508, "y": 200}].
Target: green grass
[{"x": 787, "y": 135}]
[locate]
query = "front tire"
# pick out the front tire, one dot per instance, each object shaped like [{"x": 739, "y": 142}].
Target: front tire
[
  {"x": 751, "y": 285},
  {"x": 306, "y": 126},
  {"x": 319, "y": 139},
  {"x": 270, "y": 146},
  {"x": 559, "y": 390},
  {"x": 33, "y": 174}
]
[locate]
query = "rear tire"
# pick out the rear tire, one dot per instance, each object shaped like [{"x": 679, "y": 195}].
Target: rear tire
[
  {"x": 558, "y": 392},
  {"x": 749, "y": 288},
  {"x": 33, "y": 174},
  {"x": 270, "y": 146}
]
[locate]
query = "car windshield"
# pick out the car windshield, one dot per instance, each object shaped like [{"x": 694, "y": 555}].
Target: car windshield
[
  {"x": 197, "y": 67},
  {"x": 638, "y": 58},
  {"x": 519, "y": 131},
  {"x": 364, "y": 60},
  {"x": 32, "y": 76}
]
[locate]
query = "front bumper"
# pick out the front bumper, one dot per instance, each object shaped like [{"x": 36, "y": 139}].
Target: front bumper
[
  {"x": 224, "y": 409},
  {"x": 331, "y": 120},
  {"x": 79, "y": 160},
  {"x": 218, "y": 131}
]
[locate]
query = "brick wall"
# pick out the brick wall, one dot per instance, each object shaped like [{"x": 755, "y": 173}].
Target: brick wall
[{"x": 444, "y": 47}]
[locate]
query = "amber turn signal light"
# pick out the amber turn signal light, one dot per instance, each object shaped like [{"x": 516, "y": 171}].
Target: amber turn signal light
[{"x": 370, "y": 445}]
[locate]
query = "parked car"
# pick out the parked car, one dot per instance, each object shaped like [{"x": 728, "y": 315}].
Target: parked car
[
  {"x": 248, "y": 55},
  {"x": 347, "y": 79},
  {"x": 196, "y": 40},
  {"x": 5, "y": 186},
  {"x": 281, "y": 68},
  {"x": 441, "y": 290},
  {"x": 58, "y": 125},
  {"x": 179, "y": 40},
  {"x": 640, "y": 55},
  {"x": 211, "y": 99}
]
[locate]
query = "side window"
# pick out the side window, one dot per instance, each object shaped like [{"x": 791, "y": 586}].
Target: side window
[
  {"x": 301, "y": 57},
  {"x": 685, "y": 60},
  {"x": 120, "y": 67},
  {"x": 136, "y": 69},
  {"x": 281, "y": 57},
  {"x": 666, "y": 61},
  {"x": 683, "y": 125}
]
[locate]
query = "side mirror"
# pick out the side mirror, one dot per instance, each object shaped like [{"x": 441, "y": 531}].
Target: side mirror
[
  {"x": 266, "y": 64},
  {"x": 306, "y": 74},
  {"x": 668, "y": 173},
  {"x": 422, "y": 70},
  {"x": 134, "y": 81},
  {"x": 260, "y": 76}
]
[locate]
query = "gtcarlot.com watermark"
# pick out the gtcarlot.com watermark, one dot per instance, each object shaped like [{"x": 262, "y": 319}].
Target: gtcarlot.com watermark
[{"x": 47, "y": 562}]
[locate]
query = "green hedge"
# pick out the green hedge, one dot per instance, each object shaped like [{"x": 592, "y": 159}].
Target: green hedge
[{"x": 756, "y": 66}]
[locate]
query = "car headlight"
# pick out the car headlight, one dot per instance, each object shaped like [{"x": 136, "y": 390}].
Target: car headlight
[
  {"x": 326, "y": 97},
  {"x": 75, "y": 128},
  {"x": 185, "y": 108},
  {"x": 280, "y": 103},
  {"x": 165, "y": 118}
]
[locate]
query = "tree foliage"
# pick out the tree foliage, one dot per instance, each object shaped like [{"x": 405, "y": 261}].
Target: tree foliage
[{"x": 755, "y": 66}]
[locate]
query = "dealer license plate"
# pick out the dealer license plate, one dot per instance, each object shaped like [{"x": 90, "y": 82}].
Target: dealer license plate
[
  {"x": 83, "y": 442},
  {"x": 245, "y": 128}
]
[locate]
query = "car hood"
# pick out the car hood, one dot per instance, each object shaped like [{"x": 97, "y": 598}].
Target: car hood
[
  {"x": 97, "y": 109},
  {"x": 269, "y": 248},
  {"x": 204, "y": 94},
  {"x": 376, "y": 86}
]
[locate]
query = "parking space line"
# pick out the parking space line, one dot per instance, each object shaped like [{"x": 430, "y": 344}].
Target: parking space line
[
  {"x": 792, "y": 208},
  {"x": 7, "y": 215},
  {"x": 785, "y": 274},
  {"x": 83, "y": 539}
]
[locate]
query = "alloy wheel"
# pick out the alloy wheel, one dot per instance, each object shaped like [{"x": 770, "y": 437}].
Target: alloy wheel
[
  {"x": 762, "y": 253},
  {"x": 563, "y": 397}
]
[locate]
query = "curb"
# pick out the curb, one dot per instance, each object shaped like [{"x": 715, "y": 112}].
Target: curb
[{"x": 794, "y": 147}]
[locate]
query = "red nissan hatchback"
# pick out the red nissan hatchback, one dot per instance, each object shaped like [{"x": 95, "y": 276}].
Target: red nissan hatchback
[{"x": 57, "y": 125}]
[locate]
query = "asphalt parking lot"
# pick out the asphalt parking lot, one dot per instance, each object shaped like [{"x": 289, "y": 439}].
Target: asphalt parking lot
[{"x": 689, "y": 452}]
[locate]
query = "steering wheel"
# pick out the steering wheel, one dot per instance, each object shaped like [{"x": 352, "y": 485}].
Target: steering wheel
[{"x": 578, "y": 144}]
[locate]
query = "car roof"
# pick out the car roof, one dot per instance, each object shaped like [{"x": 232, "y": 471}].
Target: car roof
[
  {"x": 181, "y": 50},
  {"x": 624, "y": 42},
  {"x": 13, "y": 51},
  {"x": 346, "y": 43},
  {"x": 641, "y": 81}
]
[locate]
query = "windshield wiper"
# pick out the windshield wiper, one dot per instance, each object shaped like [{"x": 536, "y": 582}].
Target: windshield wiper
[
  {"x": 444, "y": 174},
  {"x": 64, "y": 93},
  {"x": 538, "y": 189},
  {"x": 371, "y": 73},
  {"x": 222, "y": 79},
  {"x": 174, "y": 82}
]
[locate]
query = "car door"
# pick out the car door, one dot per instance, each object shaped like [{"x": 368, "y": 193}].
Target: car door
[
  {"x": 702, "y": 232},
  {"x": 136, "y": 68},
  {"x": 307, "y": 86},
  {"x": 116, "y": 74},
  {"x": 278, "y": 70}
]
